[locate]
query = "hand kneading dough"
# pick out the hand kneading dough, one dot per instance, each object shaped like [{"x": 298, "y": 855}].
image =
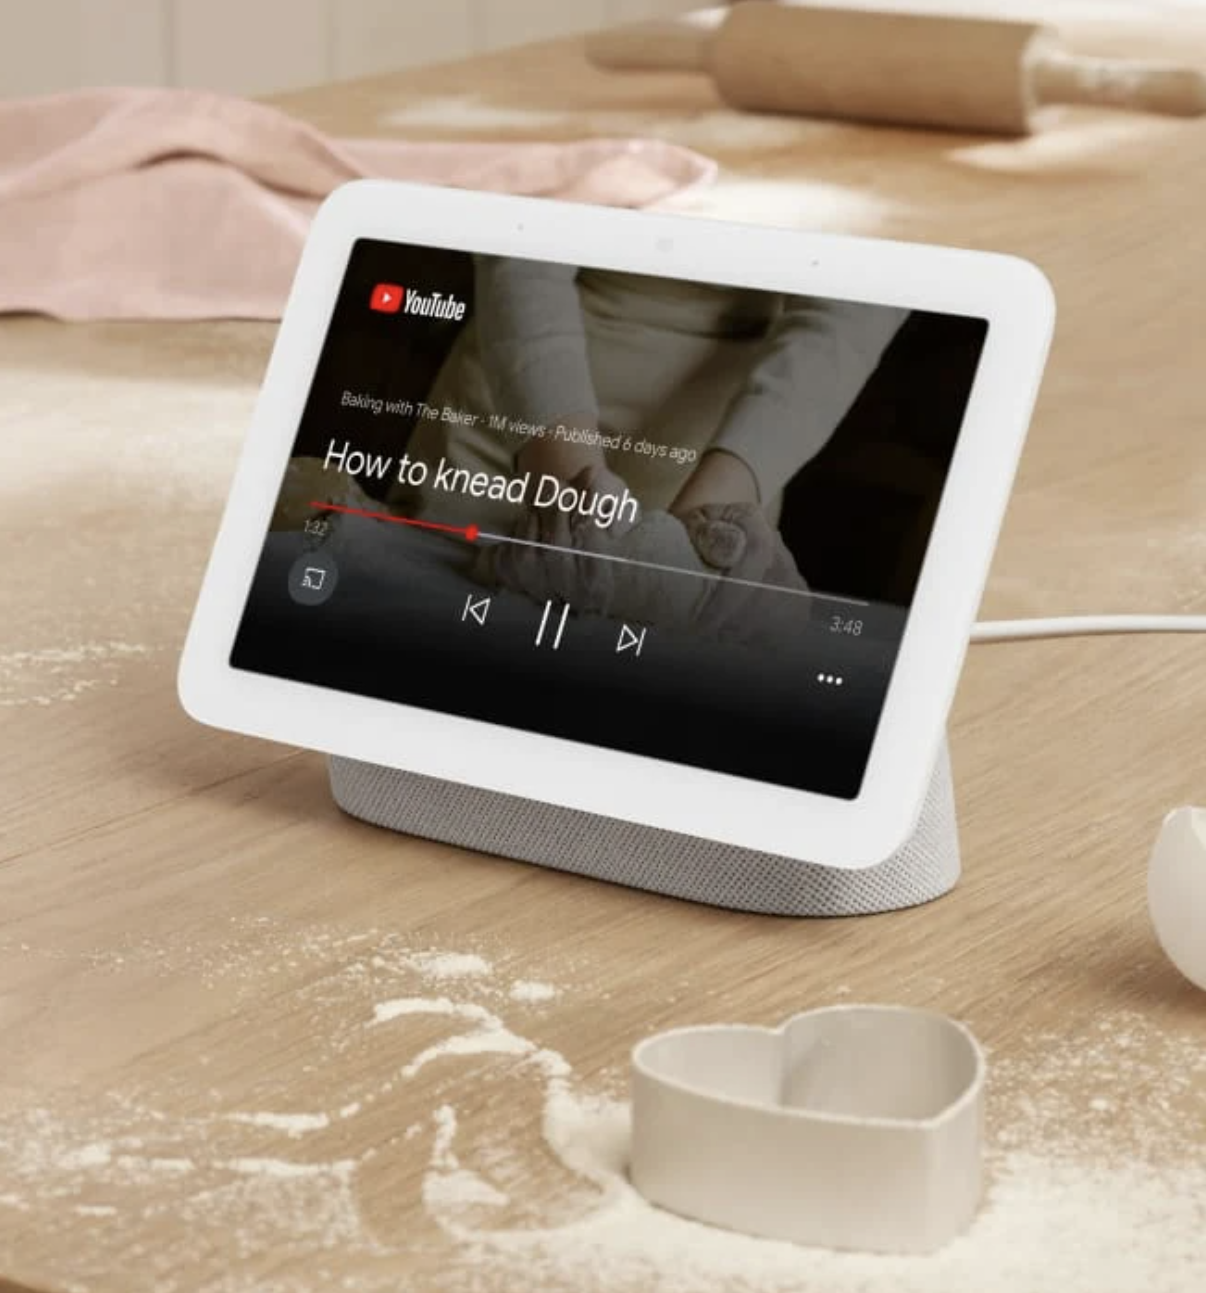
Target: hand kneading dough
[
  {"x": 656, "y": 596},
  {"x": 664, "y": 598},
  {"x": 606, "y": 587}
]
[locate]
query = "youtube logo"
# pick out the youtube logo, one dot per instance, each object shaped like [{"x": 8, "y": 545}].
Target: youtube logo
[{"x": 387, "y": 298}]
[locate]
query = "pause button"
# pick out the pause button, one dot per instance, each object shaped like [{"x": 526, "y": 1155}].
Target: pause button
[{"x": 552, "y": 626}]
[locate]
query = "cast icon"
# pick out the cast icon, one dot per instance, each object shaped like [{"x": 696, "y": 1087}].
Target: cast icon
[{"x": 312, "y": 578}]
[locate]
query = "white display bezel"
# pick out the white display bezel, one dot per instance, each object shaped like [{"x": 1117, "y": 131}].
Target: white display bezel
[{"x": 1011, "y": 294}]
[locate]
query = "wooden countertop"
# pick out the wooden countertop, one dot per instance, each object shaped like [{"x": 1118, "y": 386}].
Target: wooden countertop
[{"x": 199, "y": 1088}]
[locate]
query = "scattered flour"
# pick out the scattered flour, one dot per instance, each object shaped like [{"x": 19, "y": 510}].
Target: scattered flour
[
  {"x": 71, "y": 655},
  {"x": 50, "y": 675},
  {"x": 385, "y": 1012},
  {"x": 95, "y": 1155},
  {"x": 1048, "y": 1227},
  {"x": 450, "y": 965},
  {"x": 449, "y": 1184},
  {"x": 292, "y": 1124},
  {"x": 1058, "y": 1216},
  {"x": 1095, "y": 1184},
  {"x": 490, "y": 1037},
  {"x": 284, "y": 1168},
  {"x": 487, "y": 1041},
  {"x": 155, "y": 1165},
  {"x": 530, "y": 990}
]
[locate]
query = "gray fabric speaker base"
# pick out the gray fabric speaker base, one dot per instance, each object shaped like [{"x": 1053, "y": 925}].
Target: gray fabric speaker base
[{"x": 643, "y": 857}]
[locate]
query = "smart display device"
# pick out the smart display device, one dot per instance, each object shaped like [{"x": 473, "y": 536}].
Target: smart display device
[{"x": 668, "y": 521}]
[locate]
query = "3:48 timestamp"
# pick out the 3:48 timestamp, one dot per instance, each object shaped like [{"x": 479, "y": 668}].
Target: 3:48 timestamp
[{"x": 844, "y": 624}]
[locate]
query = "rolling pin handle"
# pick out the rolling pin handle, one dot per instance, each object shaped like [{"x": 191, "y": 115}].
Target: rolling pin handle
[{"x": 1058, "y": 78}]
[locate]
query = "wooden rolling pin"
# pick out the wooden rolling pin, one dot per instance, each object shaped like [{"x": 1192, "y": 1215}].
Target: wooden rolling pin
[{"x": 956, "y": 73}]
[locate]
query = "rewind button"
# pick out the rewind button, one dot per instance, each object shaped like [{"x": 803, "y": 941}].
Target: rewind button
[{"x": 476, "y": 609}]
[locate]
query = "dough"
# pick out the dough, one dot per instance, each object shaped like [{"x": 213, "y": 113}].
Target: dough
[
  {"x": 608, "y": 588},
  {"x": 660, "y": 597},
  {"x": 655, "y": 596}
]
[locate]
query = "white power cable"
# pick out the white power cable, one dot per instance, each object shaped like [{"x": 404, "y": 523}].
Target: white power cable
[{"x": 1080, "y": 625}]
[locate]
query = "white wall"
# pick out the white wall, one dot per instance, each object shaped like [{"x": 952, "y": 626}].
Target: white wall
[{"x": 257, "y": 46}]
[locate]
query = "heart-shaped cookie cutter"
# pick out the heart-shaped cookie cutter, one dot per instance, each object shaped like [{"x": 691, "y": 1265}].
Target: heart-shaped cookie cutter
[{"x": 852, "y": 1127}]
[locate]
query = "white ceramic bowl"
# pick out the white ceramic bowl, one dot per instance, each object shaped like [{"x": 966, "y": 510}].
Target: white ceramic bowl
[{"x": 1176, "y": 891}]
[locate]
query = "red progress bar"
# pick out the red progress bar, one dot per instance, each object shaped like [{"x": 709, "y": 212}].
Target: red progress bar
[{"x": 469, "y": 532}]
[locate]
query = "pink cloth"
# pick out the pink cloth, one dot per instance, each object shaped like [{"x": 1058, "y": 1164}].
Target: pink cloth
[{"x": 179, "y": 204}]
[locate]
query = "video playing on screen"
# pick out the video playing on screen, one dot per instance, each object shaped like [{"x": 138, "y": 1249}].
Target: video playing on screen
[{"x": 673, "y": 518}]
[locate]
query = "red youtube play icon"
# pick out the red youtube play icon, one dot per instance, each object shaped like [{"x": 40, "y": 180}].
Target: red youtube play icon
[{"x": 387, "y": 298}]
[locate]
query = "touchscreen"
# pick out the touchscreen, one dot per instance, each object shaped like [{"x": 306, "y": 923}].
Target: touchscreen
[{"x": 666, "y": 517}]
